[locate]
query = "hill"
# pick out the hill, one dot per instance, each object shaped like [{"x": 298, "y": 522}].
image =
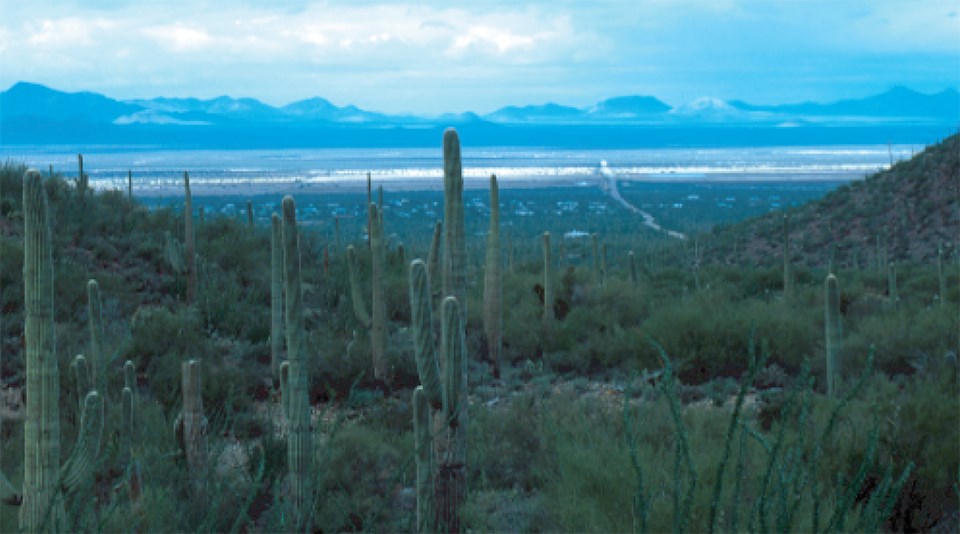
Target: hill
[{"x": 902, "y": 213}]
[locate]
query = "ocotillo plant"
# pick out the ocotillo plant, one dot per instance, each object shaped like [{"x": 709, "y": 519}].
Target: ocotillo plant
[
  {"x": 299, "y": 446},
  {"x": 448, "y": 398},
  {"x": 98, "y": 362},
  {"x": 548, "y": 314},
  {"x": 376, "y": 321},
  {"x": 833, "y": 333},
  {"x": 493, "y": 283},
  {"x": 276, "y": 295},
  {"x": 190, "y": 259},
  {"x": 43, "y": 479},
  {"x": 454, "y": 243}
]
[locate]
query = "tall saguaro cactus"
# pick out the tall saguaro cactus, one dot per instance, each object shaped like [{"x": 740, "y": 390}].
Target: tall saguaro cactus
[
  {"x": 190, "y": 259},
  {"x": 548, "y": 313},
  {"x": 276, "y": 295},
  {"x": 376, "y": 320},
  {"x": 892, "y": 284},
  {"x": 634, "y": 274},
  {"x": 493, "y": 283},
  {"x": 448, "y": 399},
  {"x": 787, "y": 274},
  {"x": 82, "y": 180},
  {"x": 41, "y": 430},
  {"x": 454, "y": 243},
  {"x": 941, "y": 276},
  {"x": 299, "y": 446},
  {"x": 45, "y": 483},
  {"x": 833, "y": 333}
]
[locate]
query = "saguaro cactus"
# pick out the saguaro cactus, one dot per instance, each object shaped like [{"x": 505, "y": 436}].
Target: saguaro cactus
[
  {"x": 892, "y": 284},
  {"x": 548, "y": 314},
  {"x": 130, "y": 184},
  {"x": 595, "y": 239},
  {"x": 787, "y": 274},
  {"x": 82, "y": 180},
  {"x": 833, "y": 333},
  {"x": 423, "y": 441},
  {"x": 454, "y": 244},
  {"x": 299, "y": 447},
  {"x": 634, "y": 275},
  {"x": 250, "y": 214},
  {"x": 41, "y": 431},
  {"x": 190, "y": 259},
  {"x": 276, "y": 295},
  {"x": 376, "y": 321},
  {"x": 448, "y": 398},
  {"x": 941, "y": 275},
  {"x": 493, "y": 283},
  {"x": 44, "y": 482},
  {"x": 603, "y": 263}
]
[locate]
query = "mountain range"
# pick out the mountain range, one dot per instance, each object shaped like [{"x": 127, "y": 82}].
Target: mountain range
[{"x": 34, "y": 114}]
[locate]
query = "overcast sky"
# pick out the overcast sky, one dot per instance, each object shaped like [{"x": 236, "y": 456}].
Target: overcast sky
[{"x": 449, "y": 56}]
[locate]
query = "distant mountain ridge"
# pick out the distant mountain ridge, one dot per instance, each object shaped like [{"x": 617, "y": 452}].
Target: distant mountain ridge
[
  {"x": 30, "y": 99},
  {"x": 34, "y": 114}
]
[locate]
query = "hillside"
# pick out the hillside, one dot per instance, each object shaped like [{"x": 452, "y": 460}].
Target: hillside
[{"x": 902, "y": 213}]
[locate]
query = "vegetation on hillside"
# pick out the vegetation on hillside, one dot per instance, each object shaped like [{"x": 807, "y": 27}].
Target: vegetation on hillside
[{"x": 692, "y": 399}]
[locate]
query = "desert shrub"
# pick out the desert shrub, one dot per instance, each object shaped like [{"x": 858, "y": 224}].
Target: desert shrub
[
  {"x": 508, "y": 447},
  {"x": 904, "y": 340},
  {"x": 709, "y": 334},
  {"x": 362, "y": 472},
  {"x": 160, "y": 339}
]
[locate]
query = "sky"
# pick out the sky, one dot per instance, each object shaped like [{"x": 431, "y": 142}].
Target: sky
[{"x": 452, "y": 56}]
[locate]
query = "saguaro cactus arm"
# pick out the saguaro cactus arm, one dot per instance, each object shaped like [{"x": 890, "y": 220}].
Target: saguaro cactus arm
[
  {"x": 77, "y": 471},
  {"x": 356, "y": 292},
  {"x": 421, "y": 317}
]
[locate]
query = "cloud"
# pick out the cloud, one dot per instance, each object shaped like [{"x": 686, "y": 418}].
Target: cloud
[
  {"x": 179, "y": 38},
  {"x": 442, "y": 56}
]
